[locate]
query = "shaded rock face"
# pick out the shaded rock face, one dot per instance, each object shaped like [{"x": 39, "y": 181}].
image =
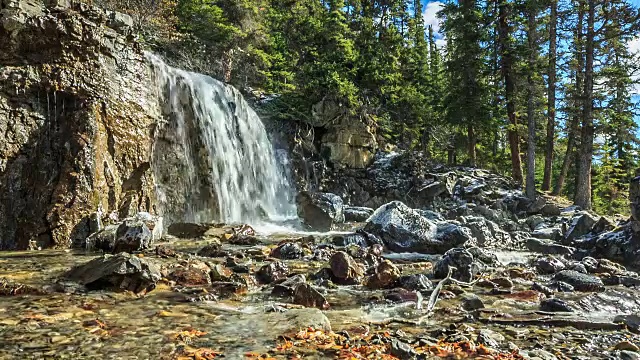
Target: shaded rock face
[
  {"x": 320, "y": 210},
  {"x": 121, "y": 271},
  {"x": 76, "y": 114}
]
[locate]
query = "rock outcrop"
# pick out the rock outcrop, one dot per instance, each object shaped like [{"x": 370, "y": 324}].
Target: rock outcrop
[{"x": 77, "y": 115}]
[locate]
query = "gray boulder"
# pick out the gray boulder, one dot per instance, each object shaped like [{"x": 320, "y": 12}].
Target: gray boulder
[
  {"x": 462, "y": 260},
  {"x": 320, "y": 210},
  {"x": 581, "y": 225},
  {"x": 403, "y": 229},
  {"x": 580, "y": 281},
  {"x": 357, "y": 213},
  {"x": 104, "y": 239},
  {"x": 548, "y": 247},
  {"x": 132, "y": 235},
  {"x": 122, "y": 271}
]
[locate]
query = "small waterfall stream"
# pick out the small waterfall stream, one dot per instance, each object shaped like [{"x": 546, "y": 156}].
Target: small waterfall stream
[{"x": 213, "y": 160}]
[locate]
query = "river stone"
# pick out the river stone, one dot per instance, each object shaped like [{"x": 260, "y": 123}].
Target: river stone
[
  {"x": 288, "y": 286},
  {"x": 402, "y": 350},
  {"x": 122, "y": 271},
  {"x": 288, "y": 251},
  {"x": 321, "y": 211},
  {"x": 357, "y": 238},
  {"x": 463, "y": 262},
  {"x": 548, "y": 247},
  {"x": 452, "y": 232},
  {"x": 548, "y": 265},
  {"x": 416, "y": 282},
  {"x": 295, "y": 319},
  {"x": 272, "y": 272},
  {"x": 104, "y": 239},
  {"x": 471, "y": 302},
  {"x": 385, "y": 276},
  {"x": 132, "y": 235},
  {"x": 308, "y": 296},
  {"x": 555, "y": 305},
  {"x": 403, "y": 229},
  {"x": 344, "y": 268},
  {"x": 187, "y": 230},
  {"x": 581, "y": 282},
  {"x": 357, "y": 213}
]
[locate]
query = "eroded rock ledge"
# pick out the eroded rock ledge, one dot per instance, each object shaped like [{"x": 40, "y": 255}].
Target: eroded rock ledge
[{"x": 76, "y": 119}]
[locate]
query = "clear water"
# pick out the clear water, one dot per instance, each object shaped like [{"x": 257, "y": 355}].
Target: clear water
[{"x": 213, "y": 160}]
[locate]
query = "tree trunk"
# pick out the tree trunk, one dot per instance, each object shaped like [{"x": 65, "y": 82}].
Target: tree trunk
[
  {"x": 531, "y": 119},
  {"x": 583, "y": 186},
  {"x": 551, "y": 98},
  {"x": 506, "y": 64},
  {"x": 473, "y": 140},
  {"x": 575, "y": 122}
]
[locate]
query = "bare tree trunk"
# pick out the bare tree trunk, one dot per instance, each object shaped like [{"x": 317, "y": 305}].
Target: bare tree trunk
[
  {"x": 551, "y": 98},
  {"x": 583, "y": 186},
  {"x": 473, "y": 140},
  {"x": 506, "y": 62},
  {"x": 575, "y": 122},
  {"x": 531, "y": 119}
]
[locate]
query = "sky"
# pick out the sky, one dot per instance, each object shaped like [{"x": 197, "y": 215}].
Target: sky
[{"x": 431, "y": 9}]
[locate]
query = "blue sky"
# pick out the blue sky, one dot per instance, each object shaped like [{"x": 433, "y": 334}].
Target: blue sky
[{"x": 432, "y": 7}]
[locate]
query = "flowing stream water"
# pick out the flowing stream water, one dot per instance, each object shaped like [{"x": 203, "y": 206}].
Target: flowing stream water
[{"x": 213, "y": 160}]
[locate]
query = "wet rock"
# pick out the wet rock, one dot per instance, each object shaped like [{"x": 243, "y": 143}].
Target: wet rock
[
  {"x": 357, "y": 214},
  {"x": 187, "y": 230},
  {"x": 193, "y": 274},
  {"x": 288, "y": 287},
  {"x": 293, "y": 320},
  {"x": 214, "y": 249},
  {"x": 580, "y": 226},
  {"x": 104, "y": 239},
  {"x": 402, "y": 351},
  {"x": 452, "y": 232},
  {"x": 403, "y": 229},
  {"x": 502, "y": 282},
  {"x": 608, "y": 266},
  {"x": 489, "y": 338},
  {"x": 539, "y": 354},
  {"x": 549, "y": 265},
  {"x": 628, "y": 355},
  {"x": 272, "y": 272},
  {"x": 471, "y": 302},
  {"x": 320, "y": 210},
  {"x": 12, "y": 288},
  {"x": 154, "y": 223},
  {"x": 461, "y": 260},
  {"x": 385, "y": 276},
  {"x": 631, "y": 321},
  {"x": 552, "y": 233},
  {"x": 344, "y": 268},
  {"x": 548, "y": 247},
  {"x": 306, "y": 295},
  {"x": 555, "y": 305},
  {"x": 165, "y": 252},
  {"x": 581, "y": 282},
  {"x": 132, "y": 235},
  {"x": 542, "y": 288},
  {"x": 220, "y": 272},
  {"x": 561, "y": 286},
  {"x": 627, "y": 345},
  {"x": 356, "y": 238},
  {"x": 416, "y": 282},
  {"x": 122, "y": 271},
  {"x": 288, "y": 251},
  {"x": 244, "y": 235}
]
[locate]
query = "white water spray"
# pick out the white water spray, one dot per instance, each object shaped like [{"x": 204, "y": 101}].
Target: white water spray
[{"x": 213, "y": 160}]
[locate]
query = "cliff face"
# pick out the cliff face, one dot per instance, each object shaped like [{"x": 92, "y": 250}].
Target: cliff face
[{"x": 76, "y": 121}]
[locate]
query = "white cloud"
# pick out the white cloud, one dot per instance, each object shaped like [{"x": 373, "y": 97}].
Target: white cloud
[{"x": 430, "y": 16}]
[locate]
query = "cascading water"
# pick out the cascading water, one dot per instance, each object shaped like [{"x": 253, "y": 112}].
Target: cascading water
[{"x": 213, "y": 160}]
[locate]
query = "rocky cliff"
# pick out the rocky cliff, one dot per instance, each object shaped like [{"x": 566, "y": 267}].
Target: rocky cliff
[{"x": 76, "y": 121}]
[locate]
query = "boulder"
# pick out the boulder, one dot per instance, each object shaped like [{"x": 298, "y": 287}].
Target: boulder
[
  {"x": 308, "y": 296},
  {"x": 580, "y": 281},
  {"x": 555, "y": 305},
  {"x": 288, "y": 251},
  {"x": 122, "y": 271},
  {"x": 581, "y": 225},
  {"x": 548, "y": 247},
  {"x": 403, "y": 229},
  {"x": 132, "y": 235},
  {"x": 104, "y": 239},
  {"x": 549, "y": 265},
  {"x": 187, "y": 230},
  {"x": 272, "y": 272},
  {"x": 416, "y": 282},
  {"x": 357, "y": 213},
  {"x": 288, "y": 287},
  {"x": 463, "y": 262},
  {"x": 344, "y": 268},
  {"x": 321, "y": 211},
  {"x": 385, "y": 276}
]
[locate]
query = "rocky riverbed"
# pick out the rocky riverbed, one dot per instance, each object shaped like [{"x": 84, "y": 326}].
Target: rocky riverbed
[{"x": 478, "y": 271}]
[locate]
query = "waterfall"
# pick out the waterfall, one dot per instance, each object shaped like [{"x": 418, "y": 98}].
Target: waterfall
[{"x": 212, "y": 158}]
